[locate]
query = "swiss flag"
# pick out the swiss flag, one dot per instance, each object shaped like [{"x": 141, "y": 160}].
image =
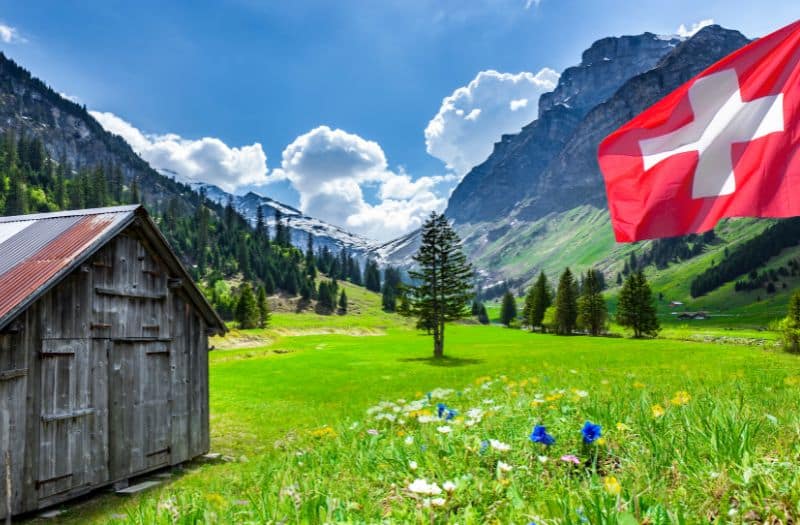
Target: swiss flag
[{"x": 725, "y": 144}]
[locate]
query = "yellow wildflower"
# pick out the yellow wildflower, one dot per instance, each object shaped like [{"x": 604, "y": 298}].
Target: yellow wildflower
[
  {"x": 612, "y": 486},
  {"x": 638, "y": 384},
  {"x": 622, "y": 427},
  {"x": 325, "y": 431},
  {"x": 483, "y": 379},
  {"x": 215, "y": 499},
  {"x": 657, "y": 410},
  {"x": 681, "y": 398}
]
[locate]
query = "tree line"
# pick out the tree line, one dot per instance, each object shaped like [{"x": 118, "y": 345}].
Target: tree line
[
  {"x": 748, "y": 256},
  {"x": 578, "y": 304}
]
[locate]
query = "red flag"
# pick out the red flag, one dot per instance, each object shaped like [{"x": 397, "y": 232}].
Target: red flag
[{"x": 725, "y": 144}]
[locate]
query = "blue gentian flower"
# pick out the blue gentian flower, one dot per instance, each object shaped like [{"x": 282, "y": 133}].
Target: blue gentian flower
[
  {"x": 484, "y": 446},
  {"x": 450, "y": 414},
  {"x": 591, "y": 432},
  {"x": 540, "y": 435},
  {"x": 440, "y": 408}
]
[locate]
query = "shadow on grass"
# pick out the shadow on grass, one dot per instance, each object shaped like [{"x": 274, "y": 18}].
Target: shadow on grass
[{"x": 442, "y": 361}]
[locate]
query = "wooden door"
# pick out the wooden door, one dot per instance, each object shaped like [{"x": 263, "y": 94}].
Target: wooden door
[
  {"x": 139, "y": 406},
  {"x": 72, "y": 436}
]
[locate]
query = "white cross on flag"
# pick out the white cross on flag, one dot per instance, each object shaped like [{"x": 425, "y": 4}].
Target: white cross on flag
[{"x": 725, "y": 144}]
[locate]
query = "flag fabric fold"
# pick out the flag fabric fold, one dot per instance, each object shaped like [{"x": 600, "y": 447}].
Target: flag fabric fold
[{"x": 724, "y": 144}]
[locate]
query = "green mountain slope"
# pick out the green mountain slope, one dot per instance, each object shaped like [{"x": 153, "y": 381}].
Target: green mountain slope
[{"x": 582, "y": 238}]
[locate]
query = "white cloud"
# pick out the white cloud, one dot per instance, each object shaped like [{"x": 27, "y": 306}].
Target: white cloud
[
  {"x": 207, "y": 159},
  {"x": 10, "y": 34},
  {"x": 71, "y": 98},
  {"x": 683, "y": 32},
  {"x": 475, "y": 116},
  {"x": 518, "y": 104},
  {"x": 532, "y": 3},
  {"x": 330, "y": 168}
]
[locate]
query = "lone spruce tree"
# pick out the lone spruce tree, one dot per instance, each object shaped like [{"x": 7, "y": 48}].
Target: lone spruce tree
[
  {"x": 635, "y": 308},
  {"x": 508, "y": 311},
  {"x": 443, "y": 280},
  {"x": 592, "y": 311},
  {"x": 566, "y": 304}
]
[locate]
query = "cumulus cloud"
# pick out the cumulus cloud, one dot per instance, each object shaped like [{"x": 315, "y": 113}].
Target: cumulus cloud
[
  {"x": 203, "y": 160},
  {"x": 9, "y": 34},
  {"x": 685, "y": 32},
  {"x": 330, "y": 168},
  {"x": 532, "y": 3},
  {"x": 475, "y": 116}
]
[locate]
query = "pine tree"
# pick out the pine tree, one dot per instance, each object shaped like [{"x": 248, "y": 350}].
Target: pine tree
[
  {"x": 508, "y": 311},
  {"x": 635, "y": 308},
  {"x": 343, "y": 302},
  {"x": 483, "y": 315},
  {"x": 16, "y": 200},
  {"x": 135, "y": 199},
  {"x": 444, "y": 280},
  {"x": 540, "y": 301},
  {"x": 247, "y": 314},
  {"x": 527, "y": 309},
  {"x": 388, "y": 298},
  {"x": 372, "y": 276},
  {"x": 566, "y": 304},
  {"x": 790, "y": 326},
  {"x": 311, "y": 265},
  {"x": 261, "y": 225},
  {"x": 263, "y": 307},
  {"x": 592, "y": 311}
]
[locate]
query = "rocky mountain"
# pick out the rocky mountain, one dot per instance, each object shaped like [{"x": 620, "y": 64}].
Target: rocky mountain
[
  {"x": 300, "y": 225},
  {"x": 515, "y": 166},
  {"x": 29, "y": 107},
  {"x": 538, "y": 202}
]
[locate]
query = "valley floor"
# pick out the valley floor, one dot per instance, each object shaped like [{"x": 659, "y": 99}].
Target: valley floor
[{"x": 289, "y": 413}]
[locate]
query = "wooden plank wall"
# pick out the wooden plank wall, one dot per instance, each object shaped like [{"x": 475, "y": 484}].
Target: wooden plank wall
[{"x": 105, "y": 377}]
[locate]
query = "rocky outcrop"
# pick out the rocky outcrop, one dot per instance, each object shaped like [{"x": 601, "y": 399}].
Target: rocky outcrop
[
  {"x": 28, "y": 106},
  {"x": 573, "y": 176},
  {"x": 513, "y": 170}
]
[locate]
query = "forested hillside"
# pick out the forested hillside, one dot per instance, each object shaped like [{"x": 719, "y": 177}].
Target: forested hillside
[{"x": 55, "y": 156}]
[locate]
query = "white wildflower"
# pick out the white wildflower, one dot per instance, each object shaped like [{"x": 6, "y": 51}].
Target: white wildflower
[
  {"x": 444, "y": 429},
  {"x": 504, "y": 467},
  {"x": 449, "y": 486},
  {"x": 412, "y": 465},
  {"x": 409, "y": 440},
  {"x": 499, "y": 445},
  {"x": 421, "y": 486}
]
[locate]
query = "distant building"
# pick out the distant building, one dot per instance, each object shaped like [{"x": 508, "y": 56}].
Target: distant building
[
  {"x": 693, "y": 315},
  {"x": 103, "y": 354}
]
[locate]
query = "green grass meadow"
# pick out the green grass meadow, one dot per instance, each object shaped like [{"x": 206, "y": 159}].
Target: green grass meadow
[{"x": 335, "y": 419}]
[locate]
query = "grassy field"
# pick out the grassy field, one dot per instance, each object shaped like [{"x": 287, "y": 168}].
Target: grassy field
[{"x": 335, "y": 419}]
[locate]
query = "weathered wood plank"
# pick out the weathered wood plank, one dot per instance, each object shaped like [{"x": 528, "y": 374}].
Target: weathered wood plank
[{"x": 131, "y": 294}]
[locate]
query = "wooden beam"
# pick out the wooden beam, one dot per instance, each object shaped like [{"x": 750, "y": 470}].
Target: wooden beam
[
  {"x": 133, "y": 295},
  {"x": 67, "y": 415},
  {"x": 5, "y": 375},
  {"x": 141, "y": 339}
]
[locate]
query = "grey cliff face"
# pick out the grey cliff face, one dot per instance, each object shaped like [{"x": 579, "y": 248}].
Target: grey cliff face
[
  {"x": 573, "y": 176},
  {"x": 514, "y": 168},
  {"x": 551, "y": 164}
]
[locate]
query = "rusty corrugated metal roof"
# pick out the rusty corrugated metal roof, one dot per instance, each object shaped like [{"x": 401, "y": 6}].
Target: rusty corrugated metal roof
[{"x": 40, "y": 248}]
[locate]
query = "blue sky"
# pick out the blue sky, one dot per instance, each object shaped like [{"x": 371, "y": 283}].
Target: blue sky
[{"x": 326, "y": 104}]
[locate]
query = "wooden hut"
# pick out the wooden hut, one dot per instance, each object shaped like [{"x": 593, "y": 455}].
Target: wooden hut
[{"x": 103, "y": 354}]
